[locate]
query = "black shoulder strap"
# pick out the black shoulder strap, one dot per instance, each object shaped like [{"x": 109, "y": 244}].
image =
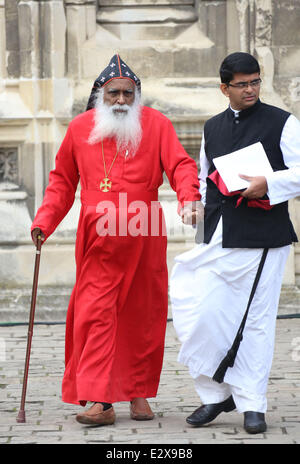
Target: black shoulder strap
[{"x": 229, "y": 359}]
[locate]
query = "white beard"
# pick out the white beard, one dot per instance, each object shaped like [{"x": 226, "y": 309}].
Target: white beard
[{"x": 124, "y": 127}]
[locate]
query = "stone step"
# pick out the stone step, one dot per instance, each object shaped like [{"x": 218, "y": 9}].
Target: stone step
[
  {"x": 147, "y": 14},
  {"x": 52, "y": 304},
  {"x": 289, "y": 300}
]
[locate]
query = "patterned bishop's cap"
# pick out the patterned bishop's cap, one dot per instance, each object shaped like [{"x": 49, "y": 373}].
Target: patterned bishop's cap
[{"x": 116, "y": 69}]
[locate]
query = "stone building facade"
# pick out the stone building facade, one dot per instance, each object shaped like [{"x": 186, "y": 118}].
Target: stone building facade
[{"x": 52, "y": 50}]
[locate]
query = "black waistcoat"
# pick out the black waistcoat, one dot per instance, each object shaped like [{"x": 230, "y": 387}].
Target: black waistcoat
[{"x": 243, "y": 226}]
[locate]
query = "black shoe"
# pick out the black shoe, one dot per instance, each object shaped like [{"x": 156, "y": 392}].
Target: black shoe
[
  {"x": 254, "y": 422},
  {"x": 208, "y": 412}
]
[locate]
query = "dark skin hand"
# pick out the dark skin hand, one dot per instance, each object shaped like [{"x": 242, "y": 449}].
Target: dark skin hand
[
  {"x": 257, "y": 189},
  {"x": 192, "y": 213},
  {"x": 35, "y": 233}
]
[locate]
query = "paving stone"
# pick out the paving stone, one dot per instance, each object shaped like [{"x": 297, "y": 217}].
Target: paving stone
[{"x": 51, "y": 421}]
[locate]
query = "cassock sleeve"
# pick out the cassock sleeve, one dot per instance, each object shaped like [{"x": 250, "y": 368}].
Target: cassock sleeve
[
  {"x": 60, "y": 193},
  {"x": 180, "y": 168},
  {"x": 284, "y": 185}
]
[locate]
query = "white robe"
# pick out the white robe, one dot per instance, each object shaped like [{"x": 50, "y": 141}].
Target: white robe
[{"x": 210, "y": 288}]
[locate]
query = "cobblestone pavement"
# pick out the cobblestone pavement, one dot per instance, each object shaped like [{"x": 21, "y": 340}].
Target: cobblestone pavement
[{"x": 48, "y": 420}]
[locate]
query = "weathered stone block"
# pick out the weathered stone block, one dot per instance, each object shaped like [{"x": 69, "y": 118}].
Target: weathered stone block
[
  {"x": 2, "y": 41},
  {"x": 194, "y": 62},
  {"x": 15, "y": 216},
  {"x": 26, "y": 63},
  {"x": 91, "y": 24},
  {"x": 17, "y": 265},
  {"x": 76, "y": 36},
  {"x": 102, "y": 3},
  {"x": 29, "y": 45},
  {"x": 11, "y": 15},
  {"x": 211, "y": 20},
  {"x": 147, "y": 62},
  {"x": 12, "y": 39},
  {"x": 25, "y": 26},
  {"x": 146, "y": 31},
  {"x": 27, "y": 179},
  {"x": 287, "y": 60},
  {"x": 45, "y": 39},
  {"x": 152, "y": 13},
  {"x": 286, "y": 20},
  {"x": 13, "y": 64}
]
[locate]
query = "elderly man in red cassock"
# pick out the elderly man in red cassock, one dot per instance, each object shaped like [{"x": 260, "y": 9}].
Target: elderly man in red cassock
[{"x": 117, "y": 314}]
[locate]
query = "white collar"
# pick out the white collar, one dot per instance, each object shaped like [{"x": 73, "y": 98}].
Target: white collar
[{"x": 236, "y": 112}]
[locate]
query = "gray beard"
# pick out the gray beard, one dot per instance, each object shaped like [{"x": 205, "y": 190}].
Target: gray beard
[{"x": 124, "y": 127}]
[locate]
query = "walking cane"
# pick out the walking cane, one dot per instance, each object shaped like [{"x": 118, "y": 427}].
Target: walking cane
[{"x": 21, "y": 416}]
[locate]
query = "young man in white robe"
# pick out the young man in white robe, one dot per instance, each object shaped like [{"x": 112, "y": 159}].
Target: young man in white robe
[{"x": 210, "y": 285}]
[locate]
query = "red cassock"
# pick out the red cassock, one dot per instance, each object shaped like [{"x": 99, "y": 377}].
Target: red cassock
[{"x": 117, "y": 314}]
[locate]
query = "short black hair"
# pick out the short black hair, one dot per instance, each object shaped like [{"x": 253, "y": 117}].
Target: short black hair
[{"x": 238, "y": 62}]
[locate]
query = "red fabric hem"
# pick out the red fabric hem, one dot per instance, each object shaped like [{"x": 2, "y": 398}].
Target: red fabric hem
[
  {"x": 91, "y": 398},
  {"x": 257, "y": 203}
]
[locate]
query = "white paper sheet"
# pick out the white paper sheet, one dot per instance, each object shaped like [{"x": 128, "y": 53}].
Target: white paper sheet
[{"x": 251, "y": 161}]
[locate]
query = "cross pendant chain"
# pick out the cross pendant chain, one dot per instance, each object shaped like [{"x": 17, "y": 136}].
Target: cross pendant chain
[{"x": 106, "y": 183}]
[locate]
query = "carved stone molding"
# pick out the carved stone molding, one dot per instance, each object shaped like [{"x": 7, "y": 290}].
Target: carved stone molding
[
  {"x": 146, "y": 19},
  {"x": 263, "y": 27},
  {"x": 142, "y": 3},
  {"x": 9, "y": 165}
]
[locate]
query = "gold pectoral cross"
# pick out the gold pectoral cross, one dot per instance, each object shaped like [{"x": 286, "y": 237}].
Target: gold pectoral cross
[{"x": 105, "y": 185}]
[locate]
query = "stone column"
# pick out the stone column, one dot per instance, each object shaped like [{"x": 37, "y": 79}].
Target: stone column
[
  {"x": 37, "y": 99},
  {"x": 232, "y": 27},
  {"x": 28, "y": 30},
  {"x": 240, "y": 25},
  {"x": 81, "y": 26},
  {"x": 43, "y": 88},
  {"x": 12, "y": 38},
  {"x": 42, "y": 26},
  {"x": 2, "y": 41}
]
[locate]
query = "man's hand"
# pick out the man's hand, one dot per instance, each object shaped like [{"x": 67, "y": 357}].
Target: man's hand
[
  {"x": 192, "y": 213},
  {"x": 35, "y": 233},
  {"x": 257, "y": 189}
]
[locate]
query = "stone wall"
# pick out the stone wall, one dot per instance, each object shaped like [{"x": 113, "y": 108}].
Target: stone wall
[{"x": 52, "y": 50}]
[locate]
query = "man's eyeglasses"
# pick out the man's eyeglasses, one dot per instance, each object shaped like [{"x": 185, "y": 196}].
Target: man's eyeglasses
[{"x": 244, "y": 85}]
